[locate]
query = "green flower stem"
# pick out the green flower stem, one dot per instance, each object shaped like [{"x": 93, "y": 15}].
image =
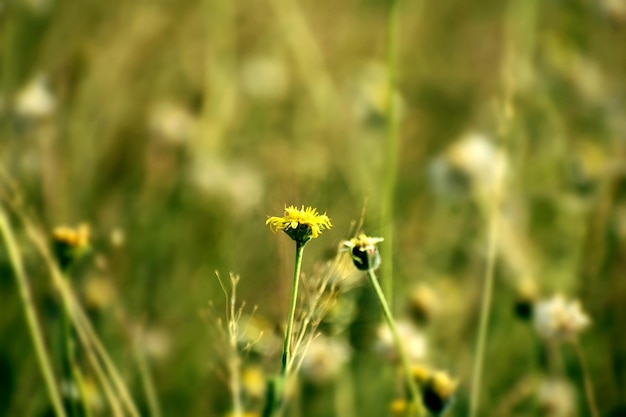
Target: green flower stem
[
  {"x": 591, "y": 400},
  {"x": 485, "y": 310},
  {"x": 90, "y": 337},
  {"x": 68, "y": 361},
  {"x": 31, "y": 316},
  {"x": 404, "y": 357},
  {"x": 82, "y": 389},
  {"x": 287, "y": 354},
  {"x": 275, "y": 404},
  {"x": 148, "y": 383},
  {"x": 70, "y": 366},
  {"x": 91, "y": 354}
]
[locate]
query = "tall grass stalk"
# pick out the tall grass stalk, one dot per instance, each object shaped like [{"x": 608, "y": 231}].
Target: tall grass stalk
[
  {"x": 393, "y": 146},
  {"x": 32, "y": 321},
  {"x": 591, "y": 400},
  {"x": 69, "y": 304},
  {"x": 112, "y": 383},
  {"x": 486, "y": 302},
  {"x": 404, "y": 357},
  {"x": 114, "y": 388},
  {"x": 95, "y": 350},
  {"x": 71, "y": 369},
  {"x": 67, "y": 359},
  {"x": 148, "y": 382},
  {"x": 79, "y": 380}
]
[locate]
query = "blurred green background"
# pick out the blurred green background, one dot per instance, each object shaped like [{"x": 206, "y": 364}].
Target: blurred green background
[{"x": 174, "y": 128}]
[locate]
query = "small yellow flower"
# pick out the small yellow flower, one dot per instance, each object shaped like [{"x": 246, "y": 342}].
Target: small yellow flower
[
  {"x": 300, "y": 224},
  {"x": 70, "y": 244},
  {"x": 400, "y": 408},
  {"x": 76, "y": 238}
]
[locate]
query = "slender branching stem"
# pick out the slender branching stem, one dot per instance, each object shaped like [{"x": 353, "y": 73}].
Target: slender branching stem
[
  {"x": 287, "y": 353},
  {"x": 31, "y": 316},
  {"x": 234, "y": 360},
  {"x": 404, "y": 357},
  {"x": 589, "y": 393},
  {"x": 485, "y": 307}
]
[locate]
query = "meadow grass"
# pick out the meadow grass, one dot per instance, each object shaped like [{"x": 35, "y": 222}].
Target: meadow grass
[{"x": 175, "y": 130}]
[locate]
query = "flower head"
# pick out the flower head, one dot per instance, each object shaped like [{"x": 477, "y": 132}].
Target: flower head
[
  {"x": 70, "y": 244},
  {"x": 300, "y": 224},
  {"x": 560, "y": 319},
  {"x": 323, "y": 360},
  {"x": 422, "y": 304},
  {"x": 364, "y": 251},
  {"x": 413, "y": 341},
  {"x": 438, "y": 388},
  {"x": 556, "y": 397},
  {"x": 525, "y": 299}
]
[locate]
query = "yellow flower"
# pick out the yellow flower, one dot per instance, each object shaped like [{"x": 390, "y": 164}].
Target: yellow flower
[
  {"x": 399, "y": 407},
  {"x": 300, "y": 224},
  {"x": 70, "y": 244},
  {"x": 76, "y": 238}
]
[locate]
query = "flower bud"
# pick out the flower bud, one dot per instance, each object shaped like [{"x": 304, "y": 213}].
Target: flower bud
[
  {"x": 438, "y": 389},
  {"x": 364, "y": 251}
]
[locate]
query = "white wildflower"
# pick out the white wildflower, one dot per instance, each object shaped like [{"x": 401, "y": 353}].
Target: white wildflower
[
  {"x": 35, "y": 100},
  {"x": 560, "y": 319},
  {"x": 413, "y": 340},
  {"x": 556, "y": 398},
  {"x": 323, "y": 359}
]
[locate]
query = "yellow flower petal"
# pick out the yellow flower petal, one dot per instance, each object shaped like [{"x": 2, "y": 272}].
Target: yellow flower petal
[{"x": 300, "y": 224}]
